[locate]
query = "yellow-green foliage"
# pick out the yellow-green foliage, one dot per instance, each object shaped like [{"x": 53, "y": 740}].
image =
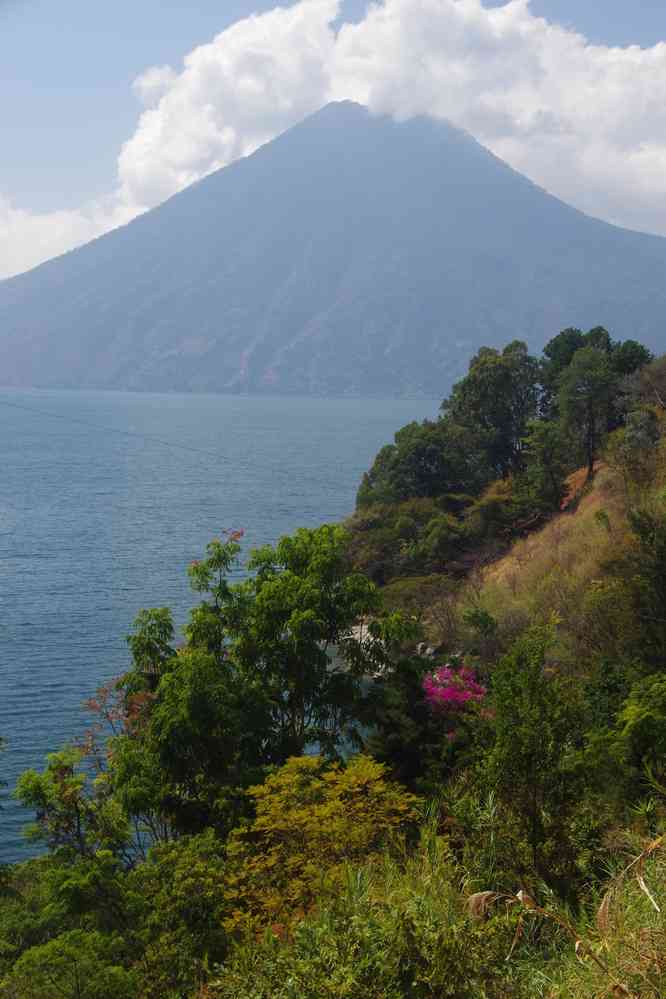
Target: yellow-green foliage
[
  {"x": 398, "y": 927},
  {"x": 312, "y": 818}
]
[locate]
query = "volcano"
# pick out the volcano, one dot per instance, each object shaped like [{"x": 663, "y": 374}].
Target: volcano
[{"x": 352, "y": 255}]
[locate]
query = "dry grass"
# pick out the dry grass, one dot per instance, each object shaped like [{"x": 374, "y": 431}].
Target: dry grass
[
  {"x": 551, "y": 574},
  {"x": 545, "y": 576},
  {"x": 570, "y": 536},
  {"x": 622, "y": 950}
]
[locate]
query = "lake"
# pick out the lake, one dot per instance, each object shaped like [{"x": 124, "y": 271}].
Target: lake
[{"x": 105, "y": 497}]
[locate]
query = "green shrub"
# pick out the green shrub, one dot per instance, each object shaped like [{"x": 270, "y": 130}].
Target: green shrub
[
  {"x": 396, "y": 930},
  {"x": 74, "y": 965},
  {"x": 179, "y": 898},
  {"x": 312, "y": 818}
]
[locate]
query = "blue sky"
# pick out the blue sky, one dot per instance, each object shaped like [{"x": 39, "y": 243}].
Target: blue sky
[
  {"x": 611, "y": 22},
  {"x": 68, "y": 104}
]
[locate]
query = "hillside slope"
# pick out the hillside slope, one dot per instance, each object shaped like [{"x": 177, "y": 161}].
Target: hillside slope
[{"x": 353, "y": 254}]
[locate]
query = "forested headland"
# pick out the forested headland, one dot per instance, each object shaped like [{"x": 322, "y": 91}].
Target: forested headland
[{"x": 420, "y": 754}]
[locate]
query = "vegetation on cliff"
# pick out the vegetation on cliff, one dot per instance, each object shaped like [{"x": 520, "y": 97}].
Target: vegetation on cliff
[{"x": 295, "y": 799}]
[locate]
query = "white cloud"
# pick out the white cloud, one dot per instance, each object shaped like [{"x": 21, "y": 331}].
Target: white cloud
[
  {"x": 26, "y": 238},
  {"x": 29, "y": 238},
  {"x": 153, "y": 84},
  {"x": 587, "y": 122}
]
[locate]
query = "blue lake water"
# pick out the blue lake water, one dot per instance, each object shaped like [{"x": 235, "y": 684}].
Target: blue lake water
[{"x": 105, "y": 497}]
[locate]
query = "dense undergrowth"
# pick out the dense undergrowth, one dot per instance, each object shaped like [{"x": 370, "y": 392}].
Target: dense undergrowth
[
  {"x": 291, "y": 801},
  {"x": 411, "y": 927}
]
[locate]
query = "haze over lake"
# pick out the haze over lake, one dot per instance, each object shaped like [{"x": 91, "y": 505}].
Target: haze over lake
[{"x": 106, "y": 497}]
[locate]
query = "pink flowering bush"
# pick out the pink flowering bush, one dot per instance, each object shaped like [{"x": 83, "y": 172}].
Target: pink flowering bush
[{"x": 450, "y": 688}]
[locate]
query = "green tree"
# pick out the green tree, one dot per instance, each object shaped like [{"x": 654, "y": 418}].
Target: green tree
[
  {"x": 586, "y": 389},
  {"x": 599, "y": 338},
  {"x": 209, "y": 735},
  {"x": 273, "y": 663},
  {"x": 633, "y": 449},
  {"x": 629, "y": 356},
  {"x": 625, "y": 357},
  {"x": 646, "y": 386},
  {"x": 75, "y": 809},
  {"x": 546, "y": 465},
  {"x": 643, "y": 569},
  {"x": 207, "y": 627},
  {"x": 74, "y": 965},
  {"x": 404, "y": 733},
  {"x": 557, "y": 356},
  {"x": 531, "y": 764},
  {"x": 428, "y": 459},
  {"x": 292, "y": 627},
  {"x": 151, "y": 643},
  {"x": 643, "y": 726},
  {"x": 496, "y": 399},
  {"x": 180, "y": 905}
]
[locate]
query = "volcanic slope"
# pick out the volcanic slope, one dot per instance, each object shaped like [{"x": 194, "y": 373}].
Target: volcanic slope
[{"x": 351, "y": 255}]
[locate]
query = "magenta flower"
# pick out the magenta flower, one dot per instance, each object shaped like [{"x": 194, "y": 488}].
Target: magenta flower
[{"x": 450, "y": 689}]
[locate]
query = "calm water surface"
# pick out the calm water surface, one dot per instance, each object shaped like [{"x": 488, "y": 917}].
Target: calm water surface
[{"x": 106, "y": 497}]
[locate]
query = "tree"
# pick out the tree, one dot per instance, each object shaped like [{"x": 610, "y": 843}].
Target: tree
[
  {"x": 273, "y": 664},
  {"x": 75, "y": 965},
  {"x": 557, "y": 355},
  {"x": 209, "y": 576},
  {"x": 151, "y": 643},
  {"x": 291, "y": 626},
  {"x": 586, "y": 389},
  {"x": 209, "y": 737},
  {"x": 643, "y": 568},
  {"x": 428, "y": 459},
  {"x": 180, "y": 902},
  {"x": 403, "y": 731},
  {"x": 633, "y": 449},
  {"x": 654, "y": 380},
  {"x": 75, "y": 810},
  {"x": 643, "y": 726},
  {"x": 531, "y": 765},
  {"x": 625, "y": 358},
  {"x": 647, "y": 385},
  {"x": 599, "y": 338},
  {"x": 629, "y": 356},
  {"x": 496, "y": 399},
  {"x": 547, "y": 464}
]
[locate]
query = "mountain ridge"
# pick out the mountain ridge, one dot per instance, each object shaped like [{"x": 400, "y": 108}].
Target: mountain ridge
[{"x": 351, "y": 255}]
